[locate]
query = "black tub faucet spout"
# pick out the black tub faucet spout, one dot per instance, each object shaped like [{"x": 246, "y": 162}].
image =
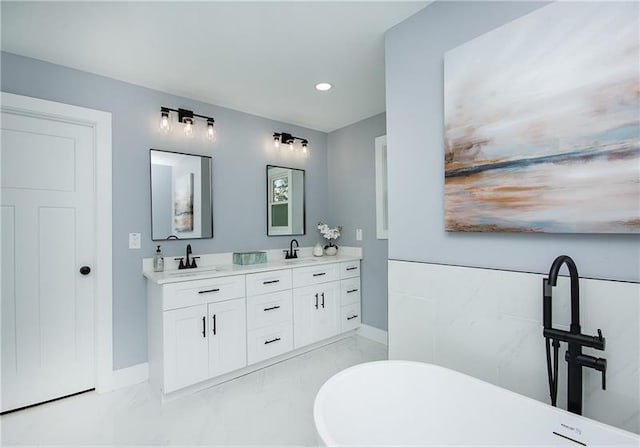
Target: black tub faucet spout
[{"x": 574, "y": 338}]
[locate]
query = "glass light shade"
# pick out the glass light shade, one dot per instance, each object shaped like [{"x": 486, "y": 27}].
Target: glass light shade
[
  {"x": 188, "y": 128},
  {"x": 276, "y": 142},
  {"x": 291, "y": 145},
  {"x": 165, "y": 122},
  {"x": 211, "y": 131}
]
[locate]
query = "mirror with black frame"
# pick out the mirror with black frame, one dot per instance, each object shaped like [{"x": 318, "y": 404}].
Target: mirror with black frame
[
  {"x": 285, "y": 201},
  {"x": 181, "y": 196}
]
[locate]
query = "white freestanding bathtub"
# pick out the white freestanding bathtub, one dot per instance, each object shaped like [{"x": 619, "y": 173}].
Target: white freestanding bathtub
[{"x": 399, "y": 402}]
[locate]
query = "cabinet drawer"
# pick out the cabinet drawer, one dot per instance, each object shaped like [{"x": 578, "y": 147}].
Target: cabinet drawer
[
  {"x": 190, "y": 293},
  {"x": 350, "y": 317},
  {"x": 266, "y": 282},
  {"x": 269, "y": 309},
  {"x": 349, "y": 269},
  {"x": 349, "y": 291},
  {"x": 269, "y": 342},
  {"x": 306, "y": 276}
]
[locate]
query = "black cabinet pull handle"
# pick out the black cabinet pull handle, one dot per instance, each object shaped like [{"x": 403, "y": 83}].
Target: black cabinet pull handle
[
  {"x": 209, "y": 291},
  {"x": 352, "y": 268},
  {"x": 204, "y": 327},
  {"x": 85, "y": 270},
  {"x": 323, "y": 300},
  {"x": 320, "y": 274},
  {"x": 351, "y": 318},
  {"x": 270, "y": 282},
  {"x": 352, "y": 290},
  {"x": 272, "y": 341},
  {"x": 316, "y": 300},
  {"x": 214, "y": 324},
  {"x": 271, "y": 308}
]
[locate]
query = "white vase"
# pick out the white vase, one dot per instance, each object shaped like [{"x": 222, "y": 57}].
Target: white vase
[
  {"x": 317, "y": 250},
  {"x": 330, "y": 250}
]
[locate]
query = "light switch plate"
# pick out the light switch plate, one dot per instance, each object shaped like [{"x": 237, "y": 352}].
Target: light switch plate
[
  {"x": 134, "y": 240},
  {"x": 358, "y": 234}
]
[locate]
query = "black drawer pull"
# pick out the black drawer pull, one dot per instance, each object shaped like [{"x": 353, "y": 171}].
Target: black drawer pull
[
  {"x": 351, "y": 318},
  {"x": 214, "y": 324},
  {"x": 209, "y": 291},
  {"x": 271, "y": 308},
  {"x": 352, "y": 290},
  {"x": 204, "y": 327},
  {"x": 352, "y": 268},
  {"x": 270, "y": 282},
  {"x": 272, "y": 341},
  {"x": 320, "y": 274}
]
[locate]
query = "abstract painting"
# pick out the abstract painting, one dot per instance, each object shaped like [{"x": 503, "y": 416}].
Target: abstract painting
[
  {"x": 183, "y": 199},
  {"x": 542, "y": 123}
]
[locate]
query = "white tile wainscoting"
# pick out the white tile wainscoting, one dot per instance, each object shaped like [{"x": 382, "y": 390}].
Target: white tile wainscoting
[{"x": 488, "y": 324}]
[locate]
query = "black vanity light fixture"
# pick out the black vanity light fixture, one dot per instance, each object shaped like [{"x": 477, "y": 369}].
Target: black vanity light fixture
[
  {"x": 287, "y": 138},
  {"x": 186, "y": 117}
]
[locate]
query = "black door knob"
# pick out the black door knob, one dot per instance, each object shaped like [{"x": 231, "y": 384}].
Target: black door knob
[{"x": 85, "y": 270}]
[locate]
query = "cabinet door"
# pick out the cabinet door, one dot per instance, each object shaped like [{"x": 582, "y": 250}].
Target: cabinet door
[
  {"x": 315, "y": 313},
  {"x": 185, "y": 347},
  {"x": 227, "y": 336},
  {"x": 327, "y": 322}
]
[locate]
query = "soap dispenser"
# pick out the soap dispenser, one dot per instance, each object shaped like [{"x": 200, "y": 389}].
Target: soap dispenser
[{"x": 158, "y": 261}]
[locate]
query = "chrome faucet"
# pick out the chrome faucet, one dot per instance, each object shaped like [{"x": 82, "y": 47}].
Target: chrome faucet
[
  {"x": 190, "y": 260},
  {"x": 292, "y": 253},
  {"x": 574, "y": 338}
]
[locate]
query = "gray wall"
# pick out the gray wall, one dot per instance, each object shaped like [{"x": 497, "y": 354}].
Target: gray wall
[
  {"x": 414, "y": 89},
  {"x": 243, "y": 148},
  {"x": 352, "y": 204}
]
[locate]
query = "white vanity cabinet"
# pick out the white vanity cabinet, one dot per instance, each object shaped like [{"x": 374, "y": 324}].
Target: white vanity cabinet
[
  {"x": 350, "y": 307},
  {"x": 227, "y": 336},
  {"x": 209, "y": 327},
  {"x": 316, "y": 313},
  {"x": 186, "y": 347},
  {"x": 316, "y": 303},
  {"x": 197, "y": 330},
  {"x": 269, "y": 315}
]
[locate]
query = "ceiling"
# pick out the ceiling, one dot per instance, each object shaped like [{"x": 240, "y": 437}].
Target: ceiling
[{"x": 261, "y": 57}]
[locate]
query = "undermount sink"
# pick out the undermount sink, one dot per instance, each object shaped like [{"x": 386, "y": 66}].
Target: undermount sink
[
  {"x": 300, "y": 261},
  {"x": 190, "y": 272}
]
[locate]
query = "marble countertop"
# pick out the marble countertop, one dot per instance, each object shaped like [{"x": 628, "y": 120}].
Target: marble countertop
[{"x": 219, "y": 265}]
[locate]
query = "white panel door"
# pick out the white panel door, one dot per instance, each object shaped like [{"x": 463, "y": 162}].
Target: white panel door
[
  {"x": 185, "y": 347},
  {"x": 228, "y": 336},
  {"x": 48, "y": 234}
]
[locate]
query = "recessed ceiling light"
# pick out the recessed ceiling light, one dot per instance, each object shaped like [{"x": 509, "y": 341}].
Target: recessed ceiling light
[{"x": 323, "y": 86}]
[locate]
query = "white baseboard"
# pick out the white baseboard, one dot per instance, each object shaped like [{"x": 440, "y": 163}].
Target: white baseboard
[
  {"x": 130, "y": 376},
  {"x": 373, "y": 333}
]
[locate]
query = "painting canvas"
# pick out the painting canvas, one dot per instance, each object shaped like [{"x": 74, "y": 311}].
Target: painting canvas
[
  {"x": 542, "y": 123},
  {"x": 183, "y": 203}
]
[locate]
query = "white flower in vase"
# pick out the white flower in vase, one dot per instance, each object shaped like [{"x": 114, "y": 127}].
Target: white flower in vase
[{"x": 331, "y": 234}]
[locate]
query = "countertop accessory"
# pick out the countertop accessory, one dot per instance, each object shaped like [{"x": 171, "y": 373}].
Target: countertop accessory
[{"x": 249, "y": 257}]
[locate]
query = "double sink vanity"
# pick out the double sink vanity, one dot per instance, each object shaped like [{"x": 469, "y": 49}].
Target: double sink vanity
[{"x": 222, "y": 320}]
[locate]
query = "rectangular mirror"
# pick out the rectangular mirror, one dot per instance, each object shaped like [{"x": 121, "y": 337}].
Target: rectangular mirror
[
  {"x": 181, "y": 196},
  {"x": 285, "y": 201}
]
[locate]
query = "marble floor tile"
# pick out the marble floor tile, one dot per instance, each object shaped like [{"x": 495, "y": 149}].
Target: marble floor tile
[{"x": 273, "y": 406}]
